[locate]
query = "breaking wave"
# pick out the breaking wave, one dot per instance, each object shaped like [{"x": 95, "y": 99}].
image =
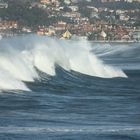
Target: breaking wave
[{"x": 20, "y": 58}]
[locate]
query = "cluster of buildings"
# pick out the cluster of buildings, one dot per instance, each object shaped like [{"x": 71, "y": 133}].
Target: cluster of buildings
[
  {"x": 130, "y": 1},
  {"x": 101, "y": 24},
  {"x": 7, "y": 28},
  {"x": 94, "y": 23}
]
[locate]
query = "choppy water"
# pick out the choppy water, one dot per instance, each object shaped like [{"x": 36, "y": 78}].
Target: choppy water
[{"x": 71, "y": 90}]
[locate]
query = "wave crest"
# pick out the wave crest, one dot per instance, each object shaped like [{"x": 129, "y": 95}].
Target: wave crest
[{"x": 20, "y": 57}]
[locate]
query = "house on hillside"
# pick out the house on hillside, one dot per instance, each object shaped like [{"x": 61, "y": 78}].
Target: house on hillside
[
  {"x": 135, "y": 35},
  {"x": 102, "y": 35},
  {"x": 45, "y": 1},
  {"x": 3, "y": 5},
  {"x": 66, "y": 35},
  {"x": 126, "y": 38}
]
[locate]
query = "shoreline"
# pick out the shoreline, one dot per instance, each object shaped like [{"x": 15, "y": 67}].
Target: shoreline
[
  {"x": 92, "y": 41},
  {"x": 114, "y": 41}
]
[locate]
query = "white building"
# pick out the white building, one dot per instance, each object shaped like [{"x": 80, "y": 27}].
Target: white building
[
  {"x": 124, "y": 17},
  {"x": 74, "y": 8},
  {"x": 130, "y": 1},
  {"x": 3, "y": 5},
  {"x": 135, "y": 35},
  {"x": 67, "y": 2}
]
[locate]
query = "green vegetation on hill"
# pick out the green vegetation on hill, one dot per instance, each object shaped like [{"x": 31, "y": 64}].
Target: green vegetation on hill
[{"x": 25, "y": 16}]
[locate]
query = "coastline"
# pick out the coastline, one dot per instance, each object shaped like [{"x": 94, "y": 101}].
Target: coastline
[
  {"x": 92, "y": 41},
  {"x": 114, "y": 41}
]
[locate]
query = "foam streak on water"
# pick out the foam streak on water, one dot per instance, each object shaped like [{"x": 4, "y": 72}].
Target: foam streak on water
[{"x": 19, "y": 58}]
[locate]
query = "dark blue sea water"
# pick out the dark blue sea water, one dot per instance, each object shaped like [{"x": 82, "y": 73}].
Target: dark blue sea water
[{"x": 75, "y": 106}]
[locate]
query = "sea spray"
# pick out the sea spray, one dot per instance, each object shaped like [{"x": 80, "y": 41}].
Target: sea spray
[
  {"x": 20, "y": 56},
  {"x": 9, "y": 82}
]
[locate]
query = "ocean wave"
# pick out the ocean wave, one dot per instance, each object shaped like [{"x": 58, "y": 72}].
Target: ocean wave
[{"x": 21, "y": 56}]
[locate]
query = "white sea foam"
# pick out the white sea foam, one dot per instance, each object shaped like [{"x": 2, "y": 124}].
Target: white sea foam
[
  {"x": 71, "y": 129},
  {"x": 20, "y": 56},
  {"x": 7, "y": 81}
]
